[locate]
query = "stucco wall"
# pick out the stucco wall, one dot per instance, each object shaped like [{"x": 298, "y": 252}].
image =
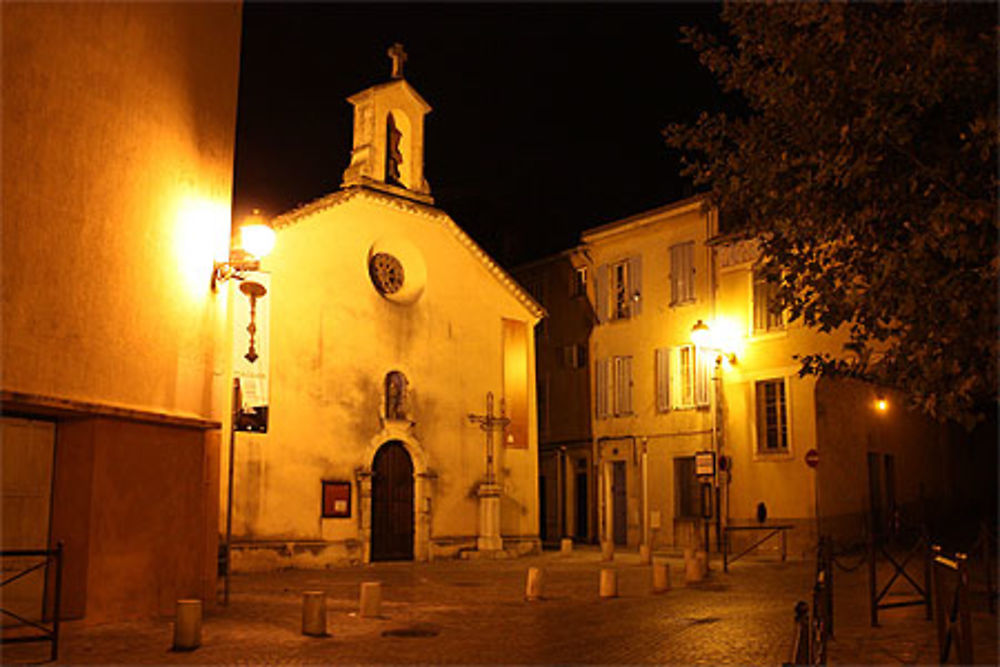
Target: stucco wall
[
  {"x": 333, "y": 340},
  {"x": 118, "y": 131}
]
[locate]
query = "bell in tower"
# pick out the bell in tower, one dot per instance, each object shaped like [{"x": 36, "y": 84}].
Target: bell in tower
[{"x": 388, "y": 149}]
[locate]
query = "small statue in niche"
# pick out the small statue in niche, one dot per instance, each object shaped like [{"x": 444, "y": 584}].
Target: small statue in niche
[
  {"x": 395, "y": 395},
  {"x": 393, "y": 156}
]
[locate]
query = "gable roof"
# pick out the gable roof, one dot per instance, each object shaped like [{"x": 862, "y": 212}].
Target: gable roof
[{"x": 429, "y": 212}]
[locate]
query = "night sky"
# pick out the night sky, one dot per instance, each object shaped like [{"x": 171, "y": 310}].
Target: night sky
[{"x": 546, "y": 118}]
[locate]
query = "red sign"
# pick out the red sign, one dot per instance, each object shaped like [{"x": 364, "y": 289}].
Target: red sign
[{"x": 812, "y": 458}]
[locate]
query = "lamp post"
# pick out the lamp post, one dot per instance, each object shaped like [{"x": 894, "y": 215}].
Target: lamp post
[
  {"x": 256, "y": 240},
  {"x": 701, "y": 336}
]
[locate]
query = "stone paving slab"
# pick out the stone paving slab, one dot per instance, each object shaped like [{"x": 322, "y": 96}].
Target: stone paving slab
[{"x": 474, "y": 612}]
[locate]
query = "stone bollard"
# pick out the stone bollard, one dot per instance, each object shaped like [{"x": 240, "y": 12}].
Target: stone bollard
[
  {"x": 314, "y": 613},
  {"x": 566, "y": 546},
  {"x": 607, "y": 550},
  {"x": 692, "y": 569},
  {"x": 645, "y": 554},
  {"x": 609, "y": 583},
  {"x": 661, "y": 577},
  {"x": 371, "y": 598},
  {"x": 187, "y": 625},
  {"x": 533, "y": 589}
]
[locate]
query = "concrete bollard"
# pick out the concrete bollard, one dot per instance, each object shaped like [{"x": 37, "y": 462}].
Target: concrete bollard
[
  {"x": 187, "y": 625},
  {"x": 607, "y": 550},
  {"x": 692, "y": 569},
  {"x": 314, "y": 613},
  {"x": 661, "y": 577},
  {"x": 609, "y": 583},
  {"x": 533, "y": 589},
  {"x": 645, "y": 554},
  {"x": 371, "y": 598},
  {"x": 566, "y": 546}
]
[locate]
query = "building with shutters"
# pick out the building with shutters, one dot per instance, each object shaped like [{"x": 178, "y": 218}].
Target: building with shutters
[
  {"x": 388, "y": 328},
  {"x": 660, "y": 402},
  {"x": 116, "y": 202}
]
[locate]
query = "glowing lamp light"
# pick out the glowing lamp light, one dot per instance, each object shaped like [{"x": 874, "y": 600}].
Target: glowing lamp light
[
  {"x": 701, "y": 335},
  {"x": 256, "y": 241},
  {"x": 881, "y": 404},
  {"x": 256, "y": 236}
]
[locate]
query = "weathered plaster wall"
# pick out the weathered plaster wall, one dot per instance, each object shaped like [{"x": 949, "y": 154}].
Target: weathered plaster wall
[{"x": 118, "y": 132}]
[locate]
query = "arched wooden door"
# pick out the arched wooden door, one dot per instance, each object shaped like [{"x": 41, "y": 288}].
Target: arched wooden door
[{"x": 392, "y": 503}]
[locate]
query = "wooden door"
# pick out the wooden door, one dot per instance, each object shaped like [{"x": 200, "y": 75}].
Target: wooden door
[
  {"x": 620, "y": 501},
  {"x": 392, "y": 503}
]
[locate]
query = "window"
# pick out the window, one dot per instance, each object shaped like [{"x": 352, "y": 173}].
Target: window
[
  {"x": 620, "y": 306},
  {"x": 682, "y": 273},
  {"x": 662, "y": 360},
  {"x": 618, "y": 292},
  {"x": 579, "y": 287},
  {"x": 764, "y": 296},
  {"x": 623, "y": 386},
  {"x": 689, "y": 381},
  {"x": 772, "y": 416},
  {"x": 613, "y": 386}
]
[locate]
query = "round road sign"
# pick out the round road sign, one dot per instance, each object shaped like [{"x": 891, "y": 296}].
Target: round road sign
[{"x": 812, "y": 458}]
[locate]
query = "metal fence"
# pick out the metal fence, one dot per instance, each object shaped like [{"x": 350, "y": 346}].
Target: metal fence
[
  {"x": 812, "y": 630},
  {"x": 46, "y": 631}
]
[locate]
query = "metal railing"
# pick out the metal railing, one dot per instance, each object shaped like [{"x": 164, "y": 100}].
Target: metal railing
[
  {"x": 49, "y": 557},
  {"x": 954, "y": 624},
  {"x": 919, "y": 548},
  {"x": 813, "y": 631}
]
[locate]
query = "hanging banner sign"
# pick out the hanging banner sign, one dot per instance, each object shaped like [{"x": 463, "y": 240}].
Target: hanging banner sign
[{"x": 251, "y": 349}]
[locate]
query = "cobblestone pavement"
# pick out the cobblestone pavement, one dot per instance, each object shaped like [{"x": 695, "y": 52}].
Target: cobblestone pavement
[{"x": 474, "y": 612}]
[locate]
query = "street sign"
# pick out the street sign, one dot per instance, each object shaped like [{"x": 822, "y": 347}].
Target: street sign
[
  {"x": 812, "y": 458},
  {"x": 704, "y": 464}
]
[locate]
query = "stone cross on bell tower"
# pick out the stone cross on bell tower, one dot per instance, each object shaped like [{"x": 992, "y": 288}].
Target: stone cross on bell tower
[{"x": 398, "y": 56}]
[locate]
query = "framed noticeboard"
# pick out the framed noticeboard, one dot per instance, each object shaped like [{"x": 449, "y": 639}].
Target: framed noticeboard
[
  {"x": 336, "y": 500},
  {"x": 704, "y": 464}
]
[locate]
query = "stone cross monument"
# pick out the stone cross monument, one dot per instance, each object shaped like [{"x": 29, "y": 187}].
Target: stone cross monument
[
  {"x": 398, "y": 56},
  {"x": 489, "y": 491}
]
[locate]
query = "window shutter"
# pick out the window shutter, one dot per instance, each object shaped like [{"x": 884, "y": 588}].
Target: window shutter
[
  {"x": 663, "y": 379},
  {"x": 601, "y": 387},
  {"x": 702, "y": 380},
  {"x": 624, "y": 379},
  {"x": 635, "y": 286},
  {"x": 601, "y": 294}
]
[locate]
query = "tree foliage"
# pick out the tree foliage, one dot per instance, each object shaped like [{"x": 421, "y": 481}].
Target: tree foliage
[{"x": 865, "y": 164}]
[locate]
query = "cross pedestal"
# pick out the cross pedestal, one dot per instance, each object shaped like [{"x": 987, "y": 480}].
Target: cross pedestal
[
  {"x": 489, "y": 518},
  {"x": 489, "y": 491}
]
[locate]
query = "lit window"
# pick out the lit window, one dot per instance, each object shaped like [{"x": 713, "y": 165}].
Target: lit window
[
  {"x": 765, "y": 318},
  {"x": 772, "y": 416},
  {"x": 620, "y": 291},
  {"x": 682, "y": 273}
]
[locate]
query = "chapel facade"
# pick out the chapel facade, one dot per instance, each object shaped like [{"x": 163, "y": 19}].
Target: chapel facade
[{"x": 401, "y": 395}]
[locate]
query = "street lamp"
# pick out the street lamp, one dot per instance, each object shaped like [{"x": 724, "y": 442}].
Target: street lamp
[
  {"x": 256, "y": 241},
  {"x": 702, "y": 337}
]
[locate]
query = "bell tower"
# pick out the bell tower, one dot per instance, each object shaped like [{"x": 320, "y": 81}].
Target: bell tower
[{"x": 388, "y": 149}]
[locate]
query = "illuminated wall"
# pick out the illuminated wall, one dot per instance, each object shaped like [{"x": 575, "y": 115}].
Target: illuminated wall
[
  {"x": 118, "y": 131},
  {"x": 118, "y": 139}
]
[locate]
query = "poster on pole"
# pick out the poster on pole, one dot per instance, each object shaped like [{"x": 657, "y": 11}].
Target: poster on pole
[{"x": 251, "y": 349}]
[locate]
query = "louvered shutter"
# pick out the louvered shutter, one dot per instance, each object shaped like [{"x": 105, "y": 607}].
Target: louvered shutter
[
  {"x": 635, "y": 285},
  {"x": 601, "y": 294},
  {"x": 601, "y": 387},
  {"x": 703, "y": 377},
  {"x": 663, "y": 379}
]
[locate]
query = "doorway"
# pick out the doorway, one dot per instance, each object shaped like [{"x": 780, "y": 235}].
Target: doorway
[
  {"x": 392, "y": 503},
  {"x": 582, "y": 511},
  {"x": 620, "y": 503}
]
